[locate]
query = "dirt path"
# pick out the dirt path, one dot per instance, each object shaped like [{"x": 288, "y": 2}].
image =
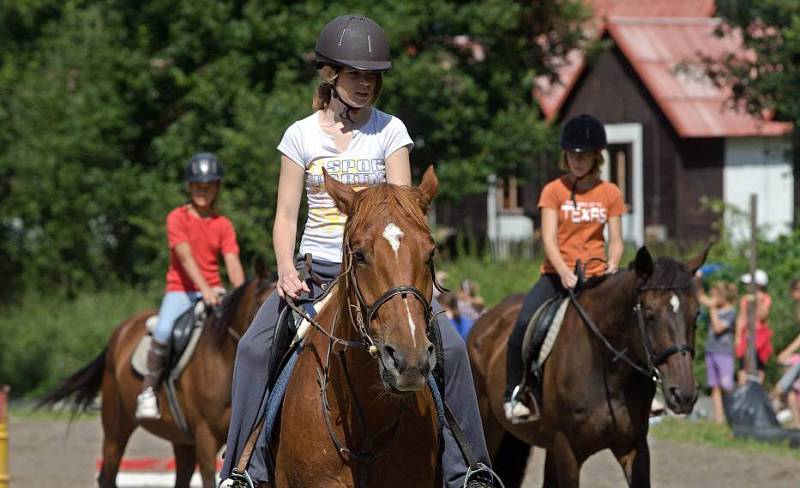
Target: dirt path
[{"x": 44, "y": 454}]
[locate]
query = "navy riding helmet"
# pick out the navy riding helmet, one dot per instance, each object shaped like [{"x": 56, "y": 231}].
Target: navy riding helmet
[
  {"x": 583, "y": 133},
  {"x": 203, "y": 168}
]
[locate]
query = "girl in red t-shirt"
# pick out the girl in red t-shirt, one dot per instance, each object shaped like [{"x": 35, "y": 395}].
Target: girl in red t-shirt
[
  {"x": 575, "y": 208},
  {"x": 763, "y": 342},
  {"x": 197, "y": 236}
]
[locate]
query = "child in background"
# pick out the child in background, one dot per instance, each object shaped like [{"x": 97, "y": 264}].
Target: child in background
[
  {"x": 789, "y": 384},
  {"x": 720, "y": 362},
  {"x": 763, "y": 339}
]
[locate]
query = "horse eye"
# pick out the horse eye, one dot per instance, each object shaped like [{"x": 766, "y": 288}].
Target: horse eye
[{"x": 358, "y": 255}]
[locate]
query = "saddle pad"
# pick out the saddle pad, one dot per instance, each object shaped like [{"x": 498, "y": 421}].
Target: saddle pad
[
  {"x": 543, "y": 328},
  {"x": 139, "y": 356}
]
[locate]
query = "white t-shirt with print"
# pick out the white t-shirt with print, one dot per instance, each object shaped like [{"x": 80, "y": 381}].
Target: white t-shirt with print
[{"x": 361, "y": 165}]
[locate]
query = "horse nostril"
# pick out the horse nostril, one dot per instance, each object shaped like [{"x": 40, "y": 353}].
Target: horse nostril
[{"x": 394, "y": 355}]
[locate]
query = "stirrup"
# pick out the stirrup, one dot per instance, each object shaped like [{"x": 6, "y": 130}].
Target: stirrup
[
  {"x": 482, "y": 477},
  {"x": 237, "y": 480},
  {"x": 527, "y": 414}
]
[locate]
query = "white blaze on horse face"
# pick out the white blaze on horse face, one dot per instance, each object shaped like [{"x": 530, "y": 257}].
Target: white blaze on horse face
[
  {"x": 675, "y": 302},
  {"x": 393, "y": 234},
  {"x": 411, "y": 324}
]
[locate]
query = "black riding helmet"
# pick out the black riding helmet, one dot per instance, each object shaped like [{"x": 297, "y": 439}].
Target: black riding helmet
[
  {"x": 354, "y": 41},
  {"x": 203, "y": 168},
  {"x": 583, "y": 133}
]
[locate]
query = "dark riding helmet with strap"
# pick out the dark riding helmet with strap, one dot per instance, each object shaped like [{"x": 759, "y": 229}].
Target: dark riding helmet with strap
[
  {"x": 583, "y": 133},
  {"x": 203, "y": 168},
  {"x": 356, "y": 42}
]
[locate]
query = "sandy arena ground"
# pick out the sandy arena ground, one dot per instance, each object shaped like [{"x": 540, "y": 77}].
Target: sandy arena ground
[{"x": 48, "y": 454}]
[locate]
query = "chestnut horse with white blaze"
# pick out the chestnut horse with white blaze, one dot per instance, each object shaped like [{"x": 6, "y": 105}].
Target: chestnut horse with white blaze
[
  {"x": 203, "y": 389},
  {"x": 358, "y": 411},
  {"x": 628, "y": 332}
]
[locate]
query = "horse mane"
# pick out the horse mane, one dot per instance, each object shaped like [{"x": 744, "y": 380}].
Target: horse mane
[
  {"x": 669, "y": 273},
  {"x": 230, "y": 304},
  {"x": 386, "y": 198}
]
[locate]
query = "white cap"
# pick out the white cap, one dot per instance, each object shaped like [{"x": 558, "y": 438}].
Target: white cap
[{"x": 761, "y": 278}]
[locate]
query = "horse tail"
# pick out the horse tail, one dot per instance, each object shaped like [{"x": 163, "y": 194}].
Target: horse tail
[{"x": 81, "y": 388}]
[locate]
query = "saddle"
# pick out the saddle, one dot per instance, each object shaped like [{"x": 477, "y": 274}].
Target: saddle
[{"x": 183, "y": 342}]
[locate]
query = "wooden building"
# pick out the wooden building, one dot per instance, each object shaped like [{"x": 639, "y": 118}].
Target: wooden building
[{"x": 674, "y": 142}]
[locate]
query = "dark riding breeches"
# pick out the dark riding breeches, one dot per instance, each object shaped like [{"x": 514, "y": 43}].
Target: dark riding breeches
[
  {"x": 251, "y": 373},
  {"x": 548, "y": 286}
]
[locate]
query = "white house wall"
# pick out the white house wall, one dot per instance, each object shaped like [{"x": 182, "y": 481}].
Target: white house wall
[{"x": 759, "y": 165}]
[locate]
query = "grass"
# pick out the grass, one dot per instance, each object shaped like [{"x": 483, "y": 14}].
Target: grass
[{"x": 719, "y": 436}]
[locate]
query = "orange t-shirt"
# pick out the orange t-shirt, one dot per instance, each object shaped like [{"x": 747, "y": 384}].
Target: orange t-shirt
[{"x": 580, "y": 230}]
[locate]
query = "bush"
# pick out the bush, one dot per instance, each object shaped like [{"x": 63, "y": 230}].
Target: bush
[{"x": 44, "y": 339}]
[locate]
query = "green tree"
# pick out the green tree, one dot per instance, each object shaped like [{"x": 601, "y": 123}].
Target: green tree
[{"x": 102, "y": 101}]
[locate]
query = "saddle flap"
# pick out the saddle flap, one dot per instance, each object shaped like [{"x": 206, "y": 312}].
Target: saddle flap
[{"x": 547, "y": 317}]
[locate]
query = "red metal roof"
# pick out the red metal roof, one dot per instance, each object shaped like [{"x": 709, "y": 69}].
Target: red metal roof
[
  {"x": 652, "y": 8},
  {"x": 656, "y": 36},
  {"x": 696, "y": 108}
]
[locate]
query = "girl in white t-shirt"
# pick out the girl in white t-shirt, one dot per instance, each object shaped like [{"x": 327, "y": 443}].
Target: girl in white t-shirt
[{"x": 359, "y": 145}]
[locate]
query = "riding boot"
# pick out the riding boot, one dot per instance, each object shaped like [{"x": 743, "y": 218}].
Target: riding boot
[
  {"x": 147, "y": 401},
  {"x": 514, "y": 405}
]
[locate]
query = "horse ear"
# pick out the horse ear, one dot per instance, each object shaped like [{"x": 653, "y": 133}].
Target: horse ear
[
  {"x": 341, "y": 193},
  {"x": 260, "y": 266},
  {"x": 429, "y": 186},
  {"x": 696, "y": 262},
  {"x": 643, "y": 263}
]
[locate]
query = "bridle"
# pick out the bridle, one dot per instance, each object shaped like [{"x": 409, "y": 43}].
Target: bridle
[
  {"x": 361, "y": 315},
  {"x": 650, "y": 370},
  {"x": 367, "y": 312},
  {"x": 655, "y": 360}
]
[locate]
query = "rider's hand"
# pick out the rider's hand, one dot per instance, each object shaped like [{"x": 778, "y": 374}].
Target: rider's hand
[
  {"x": 612, "y": 270},
  {"x": 568, "y": 279},
  {"x": 210, "y": 297},
  {"x": 289, "y": 283}
]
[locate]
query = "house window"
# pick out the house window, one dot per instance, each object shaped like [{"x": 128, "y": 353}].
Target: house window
[{"x": 621, "y": 170}]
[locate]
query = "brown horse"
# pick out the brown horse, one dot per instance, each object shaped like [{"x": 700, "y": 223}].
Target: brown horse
[
  {"x": 357, "y": 411},
  {"x": 597, "y": 388},
  {"x": 204, "y": 388}
]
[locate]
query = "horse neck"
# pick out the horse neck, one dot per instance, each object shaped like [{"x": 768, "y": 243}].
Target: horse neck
[{"x": 610, "y": 305}]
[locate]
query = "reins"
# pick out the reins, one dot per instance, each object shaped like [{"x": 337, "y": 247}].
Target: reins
[{"x": 651, "y": 371}]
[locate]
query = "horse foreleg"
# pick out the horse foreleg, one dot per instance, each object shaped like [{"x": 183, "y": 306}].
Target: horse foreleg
[
  {"x": 636, "y": 464},
  {"x": 207, "y": 448},
  {"x": 185, "y": 460},
  {"x": 566, "y": 464},
  {"x": 117, "y": 429}
]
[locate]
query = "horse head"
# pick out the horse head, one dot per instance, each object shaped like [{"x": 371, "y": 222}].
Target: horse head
[
  {"x": 387, "y": 264},
  {"x": 666, "y": 314}
]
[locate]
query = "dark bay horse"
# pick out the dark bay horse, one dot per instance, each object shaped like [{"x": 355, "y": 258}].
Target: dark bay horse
[
  {"x": 204, "y": 387},
  {"x": 357, "y": 410},
  {"x": 590, "y": 400}
]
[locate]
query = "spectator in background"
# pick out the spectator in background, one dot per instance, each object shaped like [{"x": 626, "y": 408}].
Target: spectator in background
[
  {"x": 763, "y": 339},
  {"x": 789, "y": 386},
  {"x": 469, "y": 300},
  {"x": 720, "y": 362},
  {"x": 450, "y": 303}
]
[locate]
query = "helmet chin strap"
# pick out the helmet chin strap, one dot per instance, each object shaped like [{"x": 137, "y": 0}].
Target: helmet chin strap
[
  {"x": 345, "y": 113},
  {"x": 574, "y": 187}
]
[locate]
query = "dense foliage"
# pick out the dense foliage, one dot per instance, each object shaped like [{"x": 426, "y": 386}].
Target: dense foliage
[{"x": 102, "y": 101}]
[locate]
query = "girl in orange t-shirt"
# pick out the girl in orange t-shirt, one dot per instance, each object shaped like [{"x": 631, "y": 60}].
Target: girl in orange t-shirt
[
  {"x": 575, "y": 208},
  {"x": 197, "y": 237}
]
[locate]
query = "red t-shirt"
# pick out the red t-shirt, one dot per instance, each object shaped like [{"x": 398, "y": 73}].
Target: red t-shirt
[
  {"x": 763, "y": 332},
  {"x": 580, "y": 230},
  {"x": 207, "y": 237}
]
